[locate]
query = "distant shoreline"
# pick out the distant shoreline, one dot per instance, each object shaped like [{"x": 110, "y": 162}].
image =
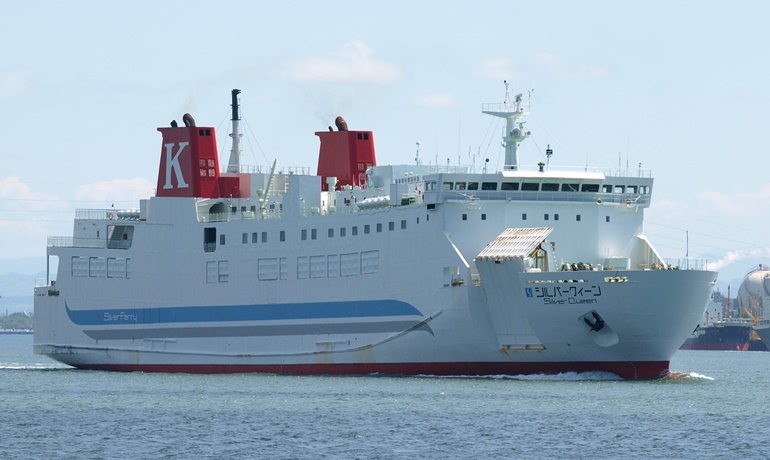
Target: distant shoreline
[{"x": 16, "y": 331}]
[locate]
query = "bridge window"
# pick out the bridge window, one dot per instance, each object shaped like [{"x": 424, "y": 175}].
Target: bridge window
[
  {"x": 509, "y": 186},
  {"x": 530, "y": 187},
  {"x": 473, "y": 185},
  {"x": 590, "y": 188},
  {"x": 570, "y": 187},
  {"x": 550, "y": 187},
  {"x": 489, "y": 186}
]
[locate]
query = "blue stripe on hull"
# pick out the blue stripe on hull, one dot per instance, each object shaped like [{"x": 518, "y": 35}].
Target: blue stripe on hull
[{"x": 271, "y": 312}]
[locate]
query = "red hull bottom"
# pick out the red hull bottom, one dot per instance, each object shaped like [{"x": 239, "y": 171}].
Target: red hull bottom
[{"x": 625, "y": 370}]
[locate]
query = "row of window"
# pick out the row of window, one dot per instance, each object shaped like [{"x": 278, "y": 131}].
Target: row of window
[
  {"x": 546, "y": 216},
  {"x": 328, "y": 266},
  {"x": 100, "y": 267},
  {"x": 538, "y": 186},
  {"x": 210, "y": 238}
]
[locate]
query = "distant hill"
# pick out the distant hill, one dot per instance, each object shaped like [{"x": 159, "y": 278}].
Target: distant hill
[{"x": 17, "y": 283}]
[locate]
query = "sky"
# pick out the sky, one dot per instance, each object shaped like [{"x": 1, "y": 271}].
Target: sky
[{"x": 680, "y": 87}]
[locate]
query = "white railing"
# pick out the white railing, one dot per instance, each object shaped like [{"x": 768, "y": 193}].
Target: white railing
[{"x": 70, "y": 242}]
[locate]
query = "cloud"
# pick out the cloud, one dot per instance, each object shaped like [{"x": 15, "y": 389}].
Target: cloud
[
  {"x": 436, "y": 101},
  {"x": 498, "y": 69},
  {"x": 120, "y": 190},
  {"x": 736, "y": 205},
  {"x": 561, "y": 67},
  {"x": 733, "y": 257},
  {"x": 353, "y": 62},
  {"x": 14, "y": 84},
  {"x": 27, "y": 218}
]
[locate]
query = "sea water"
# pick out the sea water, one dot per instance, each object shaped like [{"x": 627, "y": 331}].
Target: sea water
[{"x": 716, "y": 407}]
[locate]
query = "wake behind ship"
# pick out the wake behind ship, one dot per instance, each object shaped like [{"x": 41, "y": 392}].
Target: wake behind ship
[{"x": 363, "y": 268}]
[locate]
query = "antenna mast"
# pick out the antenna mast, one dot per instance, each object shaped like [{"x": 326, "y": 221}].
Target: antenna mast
[
  {"x": 234, "y": 165},
  {"x": 514, "y": 131}
]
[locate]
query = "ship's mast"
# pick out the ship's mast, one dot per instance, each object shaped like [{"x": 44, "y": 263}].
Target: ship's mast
[
  {"x": 234, "y": 165},
  {"x": 514, "y": 131}
]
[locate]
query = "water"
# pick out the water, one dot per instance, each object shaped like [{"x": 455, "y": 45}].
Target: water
[{"x": 717, "y": 409}]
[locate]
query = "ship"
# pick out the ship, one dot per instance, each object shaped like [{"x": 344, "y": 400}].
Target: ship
[
  {"x": 754, "y": 301},
  {"x": 722, "y": 328},
  {"x": 362, "y": 268}
]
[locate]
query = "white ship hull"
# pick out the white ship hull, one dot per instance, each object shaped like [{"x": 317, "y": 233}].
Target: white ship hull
[{"x": 405, "y": 288}]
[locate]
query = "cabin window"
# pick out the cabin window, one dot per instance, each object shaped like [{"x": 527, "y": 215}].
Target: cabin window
[
  {"x": 509, "y": 186},
  {"x": 283, "y": 235},
  {"x": 264, "y": 237},
  {"x": 391, "y": 226},
  {"x": 524, "y": 216},
  {"x": 545, "y": 217},
  {"x": 343, "y": 232},
  {"x": 255, "y": 237},
  {"x": 483, "y": 217},
  {"x": 631, "y": 189},
  {"x": 379, "y": 228},
  {"x": 643, "y": 189},
  {"x": 465, "y": 216},
  {"x": 619, "y": 189},
  {"x": 367, "y": 228},
  {"x": 577, "y": 217},
  {"x": 304, "y": 234},
  {"x": 366, "y": 136},
  {"x": 530, "y": 187},
  {"x": 592, "y": 188},
  {"x": 446, "y": 186},
  {"x": 460, "y": 186},
  {"x": 313, "y": 234},
  {"x": 245, "y": 238},
  {"x": 120, "y": 236},
  {"x": 473, "y": 185},
  {"x": 555, "y": 217},
  {"x": 607, "y": 218},
  {"x": 606, "y": 188},
  {"x": 222, "y": 239},
  {"x": 209, "y": 239},
  {"x": 489, "y": 186},
  {"x": 570, "y": 187},
  {"x": 549, "y": 187},
  {"x": 331, "y": 233},
  {"x": 403, "y": 225},
  {"x": 354, "y": 230}
]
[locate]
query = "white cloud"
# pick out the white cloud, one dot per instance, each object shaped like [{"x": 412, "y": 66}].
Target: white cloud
[
  {"x": 436, "y": 101},
  {"x": 737, "y": 205},
  {"x": 498, "y": 69},
  {"x": 15, "y": 83},
  {"x": 353, "y": 62},
  {"x": 563, "y": 68},
  {"x": 28, "y": 218},
  {"x": 733, "y": 257},
  {"x": 121, "y": 190}
]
